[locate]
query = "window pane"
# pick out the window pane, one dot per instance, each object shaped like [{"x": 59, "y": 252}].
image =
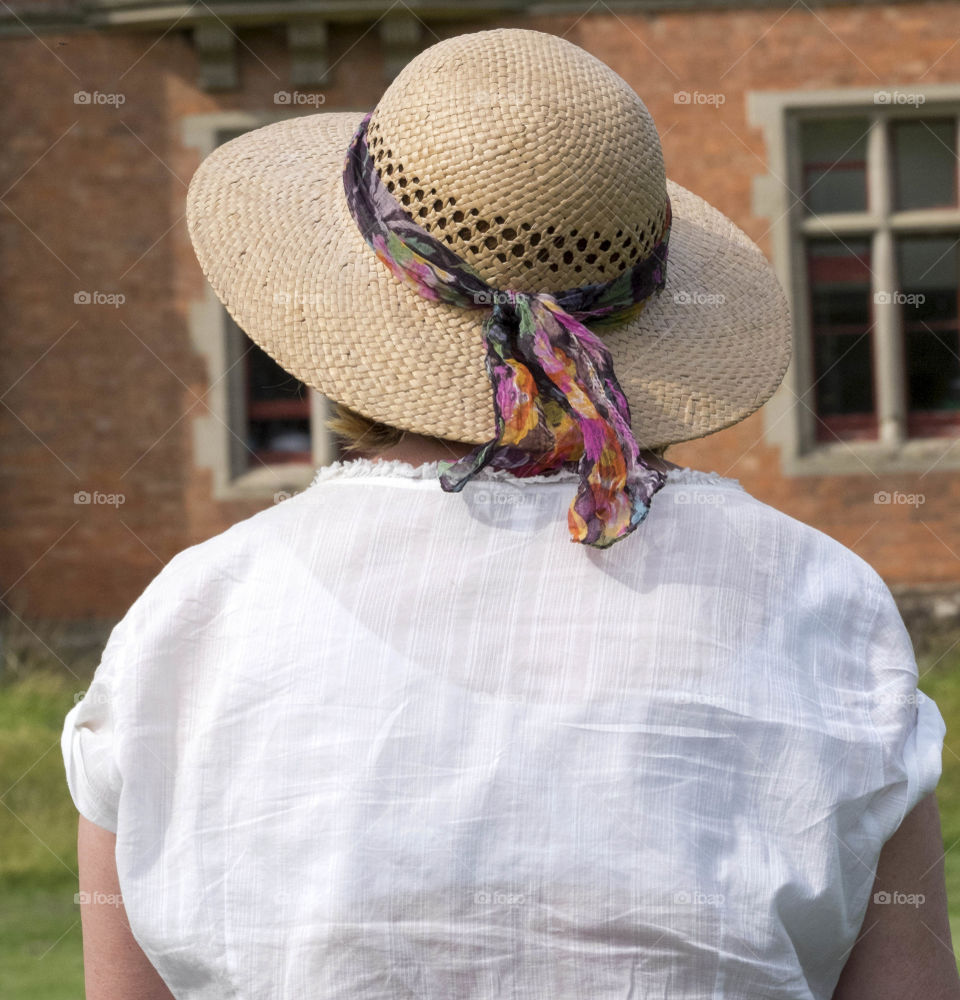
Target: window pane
[
  {"x": 928, "y": 277},
  {"x": 834, "y": 157},
  {"x": 928, "y": 267},
  {"x": 280, "y": 435},
  {"x": 845, "y": 369},
  {"x": 924, "y": 163},
  {"x": 933, "y": 369},
  {"x": 269, "y": 381},
  {"x": 278, "y": 412},
  {"x": 839, "y": 275}
]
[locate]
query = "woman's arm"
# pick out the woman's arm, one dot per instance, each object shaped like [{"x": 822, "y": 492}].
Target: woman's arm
[
  {"x": 115, "y": 967},
  {"x": 904, "y": 948}
]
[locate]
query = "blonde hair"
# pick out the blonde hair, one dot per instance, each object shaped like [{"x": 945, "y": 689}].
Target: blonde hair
[{"x": 360, "y": 435}]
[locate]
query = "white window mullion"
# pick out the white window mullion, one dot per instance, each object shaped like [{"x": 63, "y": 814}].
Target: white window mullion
[
  {"x": 802, "y": 377},
  {"x": 324, "y": 442},
  {"x": 889, "y": 376}
]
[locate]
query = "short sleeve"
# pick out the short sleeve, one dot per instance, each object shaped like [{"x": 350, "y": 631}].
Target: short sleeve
[
  {"x": 923, "y": 759},
  {"x": 909, "y": 722},
  {"x": 88, "y": 743}
]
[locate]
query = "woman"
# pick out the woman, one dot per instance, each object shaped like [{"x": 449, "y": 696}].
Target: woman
[{"x": 397, "y": 736}]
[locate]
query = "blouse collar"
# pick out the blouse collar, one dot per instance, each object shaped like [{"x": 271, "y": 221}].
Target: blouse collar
[{"x": 359, "y": 468}]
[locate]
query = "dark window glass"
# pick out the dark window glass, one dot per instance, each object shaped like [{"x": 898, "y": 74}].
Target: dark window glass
[
  {"x": 924, "y": 163},
  {"x": 928, "y": 270},
  {"x": 834, "y": 157},
  {"x": 839, "y": 274},
  {"x": 845, "y": 368},
  {"x": 278, "y": 409},
  {"x": 269, "y": 381}
]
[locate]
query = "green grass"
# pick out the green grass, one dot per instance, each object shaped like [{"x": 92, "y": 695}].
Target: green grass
[
  {"x": 41, "y": 955},
  {"x": 940, "y": 679},
  {"x": 40, "y": 939}
]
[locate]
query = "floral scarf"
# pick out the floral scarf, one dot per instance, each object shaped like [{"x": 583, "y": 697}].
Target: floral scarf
[{"x": 556, "y": 399}]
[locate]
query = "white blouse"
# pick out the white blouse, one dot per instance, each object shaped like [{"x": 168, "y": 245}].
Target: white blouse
[{"x": 381, "y": 741}]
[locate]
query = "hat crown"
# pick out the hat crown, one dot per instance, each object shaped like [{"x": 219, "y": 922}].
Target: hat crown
[{"x": 526, "y": 155}]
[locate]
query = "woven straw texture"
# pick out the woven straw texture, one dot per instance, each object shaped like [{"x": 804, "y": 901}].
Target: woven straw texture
[{"x": 542, "y": 168}]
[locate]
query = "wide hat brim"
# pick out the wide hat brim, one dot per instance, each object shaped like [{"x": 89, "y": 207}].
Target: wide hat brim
[{"x": 270, "y": 226}]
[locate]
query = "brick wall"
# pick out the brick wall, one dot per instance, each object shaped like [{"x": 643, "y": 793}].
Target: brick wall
[{"x": 102, "y": 397}]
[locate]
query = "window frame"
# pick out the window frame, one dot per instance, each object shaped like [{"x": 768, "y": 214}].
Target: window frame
[{"x": 790, "y": 422}]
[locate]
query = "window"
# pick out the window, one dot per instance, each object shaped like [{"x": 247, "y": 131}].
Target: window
[
  {"x": 272, "y": 411},
  {"x": 835, "y": 165},
  {"x": 924, "y": 163},
  {"x": 842, "y": 341},
  {"x": 927, "y": 266},
  {"x": 869, "y": 208},
  {"x": 278, "y": 411},
  {"x": 863, "y": 201}
]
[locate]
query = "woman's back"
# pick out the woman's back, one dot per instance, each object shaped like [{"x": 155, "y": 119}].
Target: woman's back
[{"x": 385, "y": 741}]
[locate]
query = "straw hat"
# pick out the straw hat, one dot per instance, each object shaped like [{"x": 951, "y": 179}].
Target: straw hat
[{"x": 542, "y": 168}]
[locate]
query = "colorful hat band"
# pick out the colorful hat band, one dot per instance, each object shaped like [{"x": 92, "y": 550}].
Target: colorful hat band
[{"x": 556, "y": 399}]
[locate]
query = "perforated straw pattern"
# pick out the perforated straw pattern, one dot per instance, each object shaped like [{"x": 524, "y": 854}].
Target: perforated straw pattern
[
  {"x": 607, "y": 166},
  {"x": 470, "y": 235},
  {"x": 530, "y": 136}
]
